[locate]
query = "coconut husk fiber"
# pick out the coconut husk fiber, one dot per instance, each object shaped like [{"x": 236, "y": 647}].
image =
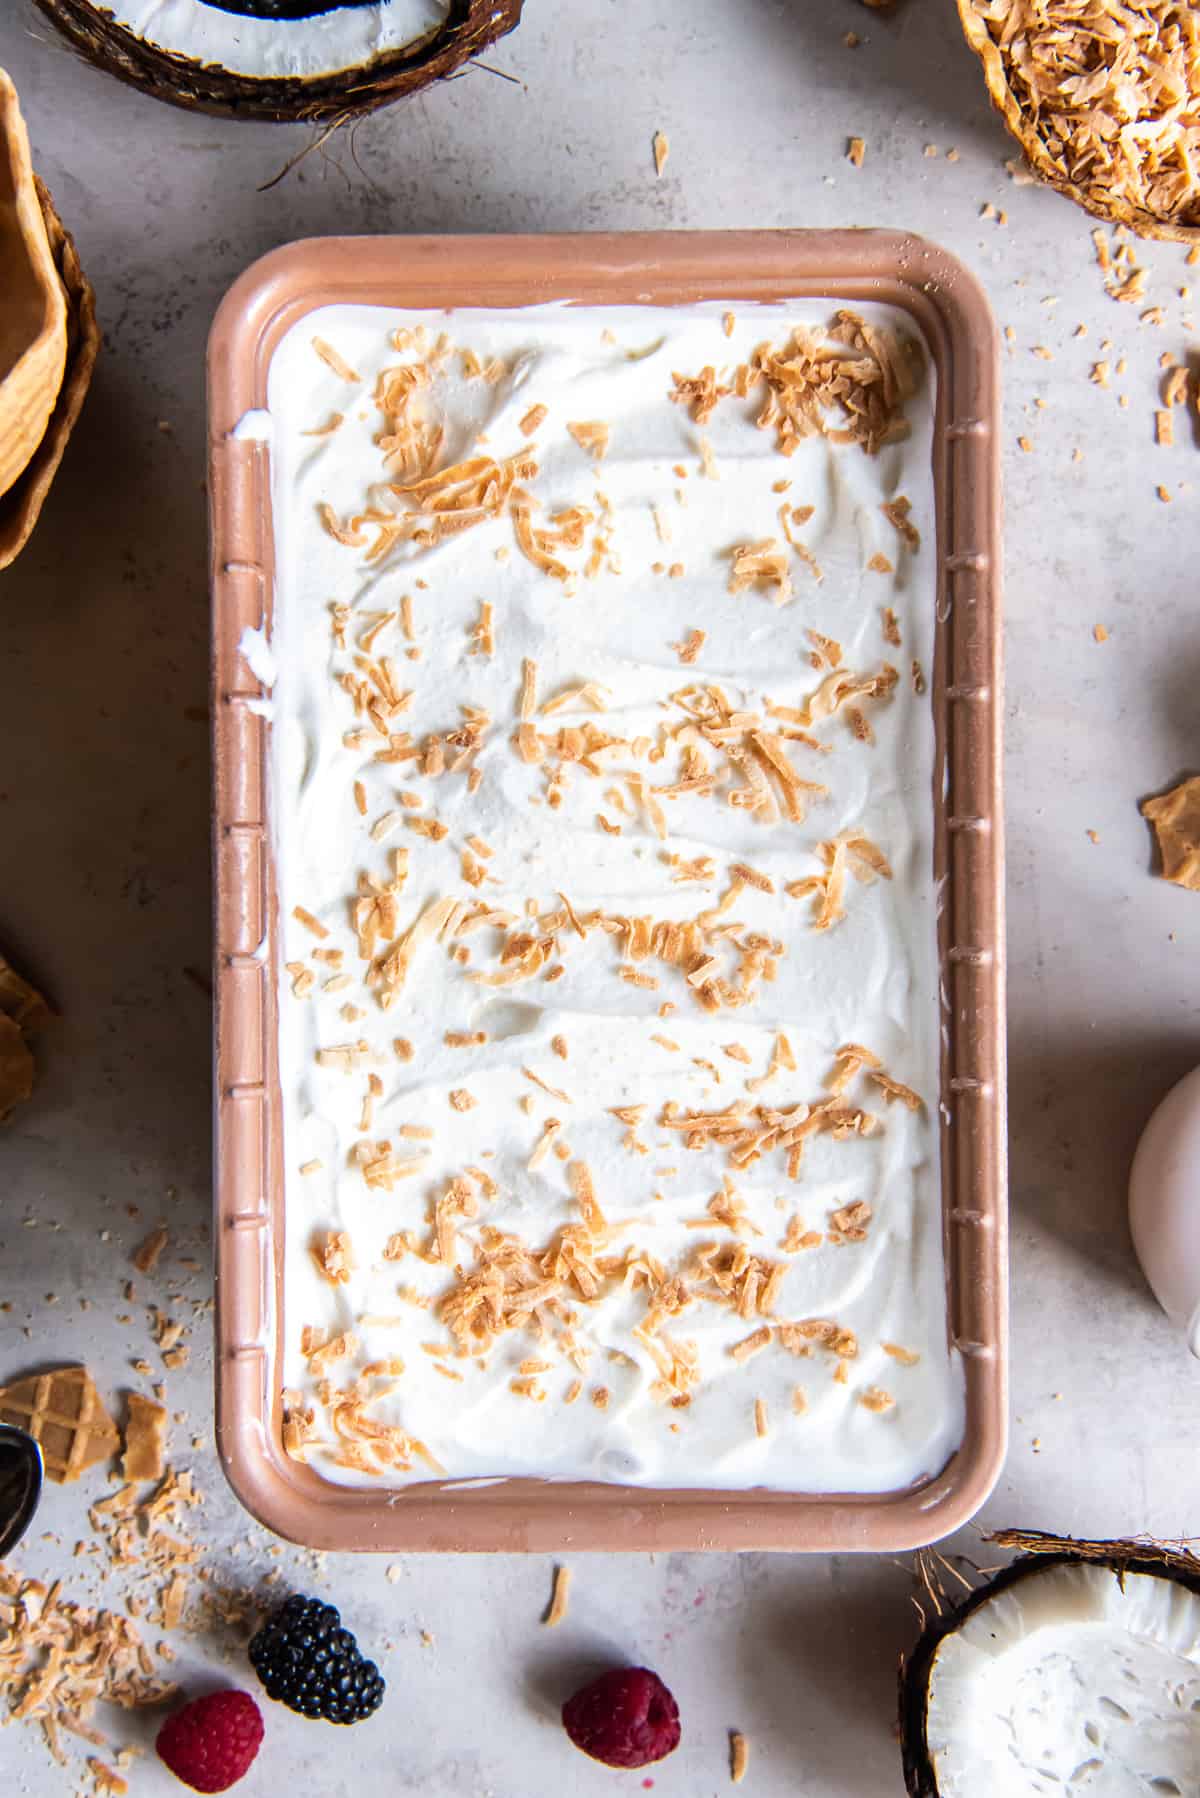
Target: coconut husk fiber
[{"x": 470, "y": 26}]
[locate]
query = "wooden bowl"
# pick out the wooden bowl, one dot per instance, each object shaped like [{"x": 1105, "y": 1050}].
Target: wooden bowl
[
  {"x": 1102, "y": 189},
  {"x": 20, "y": 506}
]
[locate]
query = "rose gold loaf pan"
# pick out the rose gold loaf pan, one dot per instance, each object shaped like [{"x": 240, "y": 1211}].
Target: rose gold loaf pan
[{"x": 951, "y": 314}]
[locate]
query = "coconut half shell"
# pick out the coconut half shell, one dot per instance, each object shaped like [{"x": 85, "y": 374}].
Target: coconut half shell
[
  {"x": 20, "y": 506},
  {"x": 470, "y": 26},
  {"x": 1040, "y": 1556},
  {"x": 1046, "y": 127},
  {"x": 33, "y": 311}
]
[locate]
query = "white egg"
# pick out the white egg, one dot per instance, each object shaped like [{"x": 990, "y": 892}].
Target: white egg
[{"x": 1164, "y": 1205}]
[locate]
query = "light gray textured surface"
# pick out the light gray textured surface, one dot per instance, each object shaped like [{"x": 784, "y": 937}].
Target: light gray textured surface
[{"x": 104, "y": 815}]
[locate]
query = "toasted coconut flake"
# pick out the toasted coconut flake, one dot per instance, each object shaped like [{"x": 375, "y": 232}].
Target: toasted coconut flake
[
  {"x": 699, "y": 393},
  {"x": 309, "y": 922},
  {"x": 739, "y": 1754},
  {"x": 580, "y": 1176},
  {"x": 762, "y": 1426},
  {"x": 752, "y": 1345},
  {"x": 333, "y": 1257},
  {"x": 856, "y": 150},
  {"x": 874, "y": 1398},
  {"x": 333, "y": 360},
  {"x": 333, "y": 423},
  {"x": 554, "y": 1091},
  {"x": 550, "y": 1132},
  {"x": 763, "y": 564},
  {"x": 895, "y": 1089},
  {"x": 591, "y": 435},
  {"x": 559, "y": 1595},
  {"x": 689, "y": 649},
  {"x": 146, "y": 1256},
  {"x": 896, "y": 512},
  {"x": 527, "y": 702},
  {"x": 1175, "y": 818},
  {"x": 1175, "y": 385},
  {"x": 849, "y": 1222},
  {"x": 662, "y": 149}
]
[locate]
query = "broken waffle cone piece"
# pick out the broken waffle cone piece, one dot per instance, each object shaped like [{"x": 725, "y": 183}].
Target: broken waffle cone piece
[
  {"x": 1175, "y": 820},
  {"x": 65, "y": 1414},
  {"x": 33, "y": 312},
  {"x": 20, "y": 1001},
  {"x": 145, "y": 1439},
  {"x": 21, "y": 505},
  {"x": 22, "y": 1009},
  {"x": 16, "y": 1068}
]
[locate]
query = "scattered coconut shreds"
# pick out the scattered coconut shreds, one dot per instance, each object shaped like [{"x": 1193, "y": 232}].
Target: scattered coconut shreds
[
  {"x": 560, "y": 1591},
  {"x": 333, "y": 360},
  {"x": 60, "y": 1659},
  {"x": 1104, "y": 100},
  {"x": 534, "y": 419},
  {"x": 662, "y": 150},
  {"x": 848, "y": 382},
  {"x": 856, "y": 150},
  {"x": 739, "y": 1756},
  {"x": 874, "y": 1398},
  {"x": 146, "y": 1256}
]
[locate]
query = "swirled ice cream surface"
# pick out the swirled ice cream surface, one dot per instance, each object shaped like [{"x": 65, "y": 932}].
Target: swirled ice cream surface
[{"x": 601, "y": 796}]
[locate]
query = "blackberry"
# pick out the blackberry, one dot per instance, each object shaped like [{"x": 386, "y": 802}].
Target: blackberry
[{"x": 306, "y": 1660}]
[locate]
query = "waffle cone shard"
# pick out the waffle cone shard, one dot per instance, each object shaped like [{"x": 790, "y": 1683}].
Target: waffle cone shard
[{"x": 64, "y": 1413}]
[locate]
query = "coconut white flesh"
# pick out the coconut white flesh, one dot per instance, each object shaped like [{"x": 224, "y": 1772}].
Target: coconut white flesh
[
  {"x": 347, "y": 38},
  {"x": 1064, "y": 1684}
]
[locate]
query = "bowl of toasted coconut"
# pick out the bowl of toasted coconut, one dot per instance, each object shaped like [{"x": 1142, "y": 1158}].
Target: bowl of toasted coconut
[{"x": 1104, "y": 99}]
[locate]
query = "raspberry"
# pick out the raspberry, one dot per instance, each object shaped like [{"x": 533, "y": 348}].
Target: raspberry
[
  {"x": 211, "y": 1742},
  {"x": 626, "y": 1718},
  {"x": 307, "y": 1661}
]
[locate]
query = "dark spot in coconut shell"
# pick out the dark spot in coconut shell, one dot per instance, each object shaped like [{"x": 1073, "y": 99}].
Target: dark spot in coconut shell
[{"x": 285, "y": 9}]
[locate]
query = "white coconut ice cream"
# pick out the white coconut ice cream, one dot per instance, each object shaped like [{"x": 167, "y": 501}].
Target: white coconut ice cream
[{"x": 661, "y": 813}]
